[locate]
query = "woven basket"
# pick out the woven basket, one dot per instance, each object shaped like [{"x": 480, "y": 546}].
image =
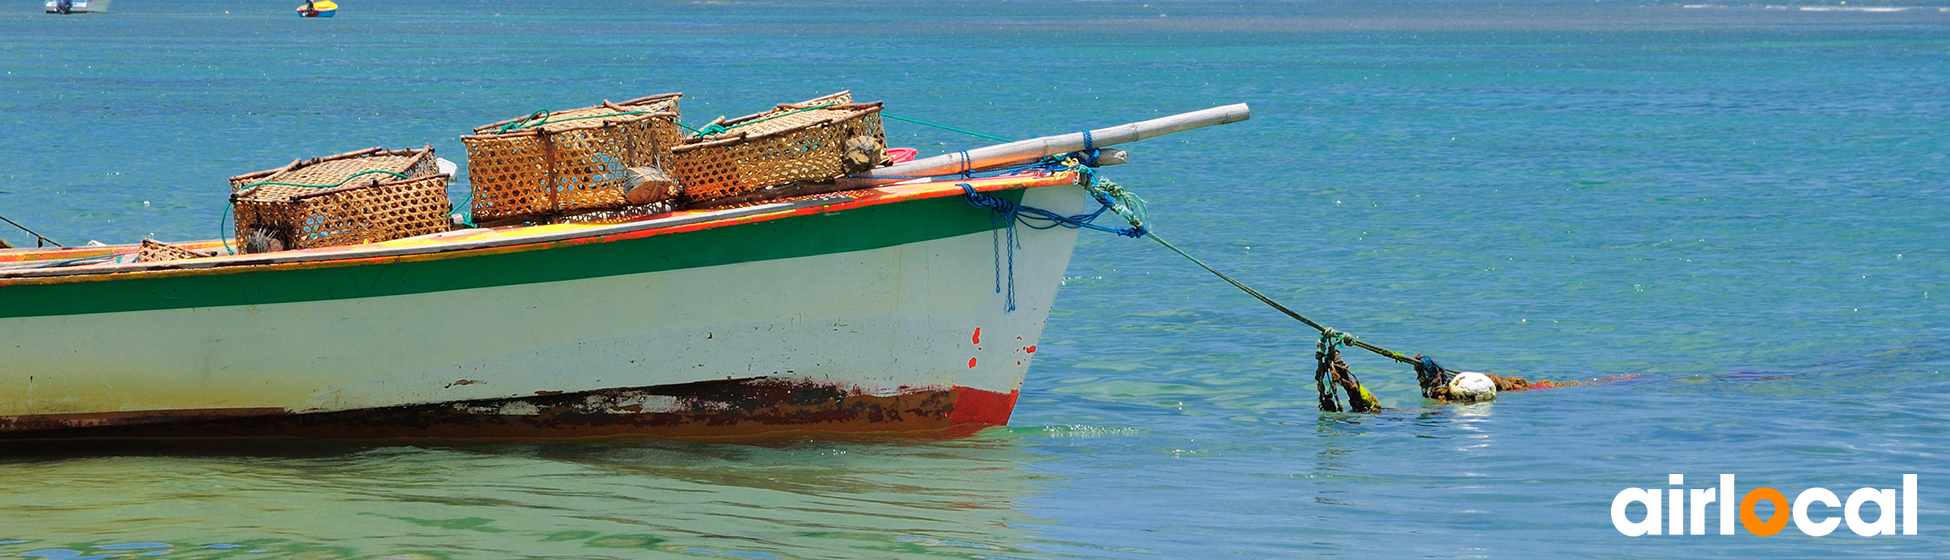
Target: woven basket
[
  {"x": 793, "y": 143},
  {"x": 157, "y": 251},
  {"x": 549, "y": 163},
  {"x": 332, "y": 171},
  {"x": 369, "y": 212}
]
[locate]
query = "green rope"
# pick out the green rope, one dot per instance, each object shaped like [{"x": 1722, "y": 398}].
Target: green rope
[
  {"x": 1124, "y": 203},
  {"x": 348, "y": 179},
  {"x": 467, "y": 218},
  {"x": 1349, "y": 340},
  {"x": 1132, "y": 209},
  {"x": 540, "y": 117},
  {"x": 224, "y": 219},
  {"x": 946, "y": 127},
  {"x": 1330, "y": 338},
  {"x": 717, "y": 129},
  {"x": 1331, "y": 374}
]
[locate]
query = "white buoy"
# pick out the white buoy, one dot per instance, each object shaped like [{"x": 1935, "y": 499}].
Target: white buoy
[
  {"x": 446, "y": 167},
  {"x": 1470, "y": 386}
]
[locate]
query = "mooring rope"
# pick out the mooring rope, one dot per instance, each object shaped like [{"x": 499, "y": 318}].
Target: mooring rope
[
  {"x": 1331, "y": 376},
  {"x": 1390, "y": 354},
  {"x": 1004, "y": 215}
]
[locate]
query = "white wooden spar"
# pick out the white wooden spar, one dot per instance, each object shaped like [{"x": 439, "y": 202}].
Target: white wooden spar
[{"x": 1016, "y": 153}]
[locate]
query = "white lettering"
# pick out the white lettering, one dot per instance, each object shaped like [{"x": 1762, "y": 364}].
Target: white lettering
[
  {"x": 1727, "y": 502},
  {"x": 1650, "y": 526},
  {"x": 1909, "y": 504},
  {"x": 1885, "y": 501},
  {"x": 1676, "y": 519},
  {"x": 1666, "y": 511},
  {"x": 1808, "y": 526},
  {"x": 1701, "y": 497}
]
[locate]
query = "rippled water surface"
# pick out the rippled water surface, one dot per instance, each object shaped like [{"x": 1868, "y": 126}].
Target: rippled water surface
[{"x": 1744, "y": 204}]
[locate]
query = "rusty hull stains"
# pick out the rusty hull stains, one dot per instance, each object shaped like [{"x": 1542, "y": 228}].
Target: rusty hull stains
[
  {"x": 707, "y": 409},
  {"x": 43, "y": 422}
]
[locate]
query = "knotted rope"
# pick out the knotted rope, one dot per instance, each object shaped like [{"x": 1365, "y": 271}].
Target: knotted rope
[
  {"x": 1331, "y": 374},
  {"x": 1004, "y": 215},
  {"x": 1431, "y": 376}
]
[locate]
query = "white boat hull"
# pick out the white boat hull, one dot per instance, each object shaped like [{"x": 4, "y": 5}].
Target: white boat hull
[{"x": 895, "y": 325}]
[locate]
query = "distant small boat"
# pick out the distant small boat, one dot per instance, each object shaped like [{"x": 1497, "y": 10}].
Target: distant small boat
[
  {"x": 324, "y": 8},
  {"x": 77, "y": 6}
]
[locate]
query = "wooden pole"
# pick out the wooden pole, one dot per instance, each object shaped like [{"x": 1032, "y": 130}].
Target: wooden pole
[{"x": 1016, "y": 153}]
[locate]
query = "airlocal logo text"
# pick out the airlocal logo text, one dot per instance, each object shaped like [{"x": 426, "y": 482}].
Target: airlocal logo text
[{"x": 1678, "y": 514}]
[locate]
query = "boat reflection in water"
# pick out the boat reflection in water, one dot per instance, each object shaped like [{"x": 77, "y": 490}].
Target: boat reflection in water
[{"x": 615, "y": 498}]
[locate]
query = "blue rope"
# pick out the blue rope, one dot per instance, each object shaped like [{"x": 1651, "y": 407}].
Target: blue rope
[
  {"x": 1004, "y": 215},
  {"x": 1048, "y": 219},
  {"x": 1430, "y": 375},
  {"x": 1088, "y": 157}
]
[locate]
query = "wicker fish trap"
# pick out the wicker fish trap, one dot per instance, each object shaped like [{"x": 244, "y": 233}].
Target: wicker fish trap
[
  {"x": 333, "y": 171},
  {"x": 157, "y": 251},
  {"x": 367, "y": 212},
  {"x": 553, "y": 162},
  {"x": 806, "y": 142}
]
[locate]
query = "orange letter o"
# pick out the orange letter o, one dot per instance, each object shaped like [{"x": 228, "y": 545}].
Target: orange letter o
[{"x": 1774, "y": 522}]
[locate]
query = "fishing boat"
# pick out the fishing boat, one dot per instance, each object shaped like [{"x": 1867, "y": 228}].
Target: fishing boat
[
  {"x": 895, "y": 305},
  {"x": 320, "y": 8},
  {"x": 77, "y": 6}
]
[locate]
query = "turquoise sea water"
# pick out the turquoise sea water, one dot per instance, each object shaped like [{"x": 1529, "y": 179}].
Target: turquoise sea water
[{"x": 1745, "y": 204}]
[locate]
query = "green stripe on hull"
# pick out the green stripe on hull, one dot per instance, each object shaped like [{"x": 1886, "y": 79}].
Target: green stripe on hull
[{"x": 855, "y": 229}]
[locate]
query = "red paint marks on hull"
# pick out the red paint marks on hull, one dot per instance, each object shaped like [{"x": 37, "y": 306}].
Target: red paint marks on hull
[{"x": 982, "y": 408}]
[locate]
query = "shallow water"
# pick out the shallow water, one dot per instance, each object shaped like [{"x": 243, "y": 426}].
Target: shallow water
[{"x": 1743, "y": 204}]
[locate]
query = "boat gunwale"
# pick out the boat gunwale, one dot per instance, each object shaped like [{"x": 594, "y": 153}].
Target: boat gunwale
[{"x": 418, "y": 248}]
